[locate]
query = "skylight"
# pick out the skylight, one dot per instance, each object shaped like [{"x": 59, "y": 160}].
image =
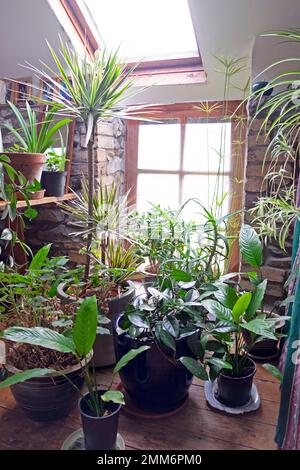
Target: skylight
[{"x": 145, "y": 29}]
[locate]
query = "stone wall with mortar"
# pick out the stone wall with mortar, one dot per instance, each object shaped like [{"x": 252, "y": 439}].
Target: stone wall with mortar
[
  {"x": 277, "y": 263},
  {"x": 53, "y": 225}
]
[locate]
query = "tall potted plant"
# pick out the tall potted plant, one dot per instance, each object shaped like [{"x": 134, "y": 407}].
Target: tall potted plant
[{"x": 33, "y": 139}]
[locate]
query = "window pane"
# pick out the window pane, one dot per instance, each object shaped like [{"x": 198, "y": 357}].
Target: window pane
[
  {"x": 159, "y": 146},
  {"x": 203, "y": 188},
  {"x": 157, "y": 189},
  {"x": 204, "y": 142},
  {"x": 145, "y": 30}
]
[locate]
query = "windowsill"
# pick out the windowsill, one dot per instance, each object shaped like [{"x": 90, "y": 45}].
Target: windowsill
[{"x": 170, "y": 78}]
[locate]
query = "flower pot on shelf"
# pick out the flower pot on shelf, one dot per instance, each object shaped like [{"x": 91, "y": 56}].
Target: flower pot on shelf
[
  {"x": 104, "y": 352},
  {"x": 54, "y": 183},
  {"x": 153, "y": 381},
  {"x": 235, "y": 391},
  {"x": 29, "y": 164},
  {"x": 50, "y": 397},
  {"x": 100, "y": 433}
]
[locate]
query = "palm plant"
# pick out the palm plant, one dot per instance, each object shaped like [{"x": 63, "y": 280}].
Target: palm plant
[
  {"x": 34, "y": 136},
  {"x": 91, "y": 90}
]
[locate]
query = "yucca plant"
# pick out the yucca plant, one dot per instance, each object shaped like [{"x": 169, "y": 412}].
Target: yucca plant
[
  {"x": 33, "y": 136},
  {"x": 90, "y": 90}
]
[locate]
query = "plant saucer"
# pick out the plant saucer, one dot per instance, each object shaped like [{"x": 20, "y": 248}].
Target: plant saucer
[
  {"x": 210, "y": 389},
  {"x": 75, "y": 441}
]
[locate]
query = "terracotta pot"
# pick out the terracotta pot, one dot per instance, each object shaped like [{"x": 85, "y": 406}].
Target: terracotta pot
[
  {"x": 50, "y": 397},
  {"x": 154, "y": 383},
  {"x": 100, "y": 433},
  {"x": 29, "y": 164},
  {"x": 104, "y": 352}
]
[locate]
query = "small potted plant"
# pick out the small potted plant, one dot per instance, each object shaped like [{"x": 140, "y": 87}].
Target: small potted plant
[
  {"x": 54, "y": 177},
  {"x": 33, "y": 139},
  {"x": 166, "y": 318},
  {"x": 252, "y": 253},
  {"x": 99, "y": 408},
  {"x": 29, "y": 300}
]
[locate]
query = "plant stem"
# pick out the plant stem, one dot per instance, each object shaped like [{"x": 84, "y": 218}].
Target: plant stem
[{"x": 91, "y": 192}]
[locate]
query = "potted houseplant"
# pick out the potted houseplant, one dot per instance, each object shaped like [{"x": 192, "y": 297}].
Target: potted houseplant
[
  {"x": 29, "y": 300},
  {"x": 33, "y": 139},
  {"x": 165, "y": 318},
  {"x": 113, "y": 263},
  {"x": 99, "y": 408},
  {"x": 252, "y": 253},
  {"x": 54, "y": 176}
]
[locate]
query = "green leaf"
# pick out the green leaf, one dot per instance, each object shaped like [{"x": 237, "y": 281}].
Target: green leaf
[
  {"x": 39, "y": 258},
  {"x": 171, "y": 325},
  {"x": 164, "y": 337},
  {"x": 215, "y": 308},
  {"x": 194, "y": 367},
  {"x": 40, "y": 336},
  {"x": 129, "y": 357},
  {"x": 180, "y": 275},
  {"x": 113, "y": 395},
  {"x": 219, "y": 363},
  {"x": 241, "y": 306},
  {"x": 250, "y": 246},
  {"x": 260, "y": 327},
  {"x": 26, "y": 375},
  {"x": 273, "y": 370},
  {"x": 30, "y": 213},
  {"x": 213, "y": 345},
  {"x": 6, "y": 234},
  {"x": 85, "y": 328},
  {"x": 138, "y": 320},
  {"x": 256, "y": 300},
  {"x": 226, "y": 295}
]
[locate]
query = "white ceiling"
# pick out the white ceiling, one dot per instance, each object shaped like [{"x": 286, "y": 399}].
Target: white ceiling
[{"x": 223, "y": 27}]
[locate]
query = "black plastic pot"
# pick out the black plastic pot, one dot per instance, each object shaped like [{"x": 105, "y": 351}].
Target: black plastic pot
[
  {"x": 236, "y": 391},
  {"x": 50, "y": 397},
  {"x": 104, "y": 352},
  {"x": 54, "y": 183},
  {"x": 153, "y": 382},
  {"x": 100, "y": 433}
]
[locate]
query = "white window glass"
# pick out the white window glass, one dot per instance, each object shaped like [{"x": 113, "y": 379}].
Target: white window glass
[
  {"x": 203, "y": 188},
  {"x": 145, "y": 30},
  {"x": 207, "y": 147},
  {"x": 159, "y": 146},
  {"x": 160, "y": 189}
]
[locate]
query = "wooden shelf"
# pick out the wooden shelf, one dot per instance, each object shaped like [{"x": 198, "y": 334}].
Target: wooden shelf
[{"x": 40, "y": 202}]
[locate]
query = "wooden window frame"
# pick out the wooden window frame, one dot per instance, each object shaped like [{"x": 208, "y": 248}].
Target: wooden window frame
[{"x": 235, "y": 113}]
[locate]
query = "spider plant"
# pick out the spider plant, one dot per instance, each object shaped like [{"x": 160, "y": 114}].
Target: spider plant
[
  {"x": 91, "y": 90},
  {"x": 33, "y": 136}
]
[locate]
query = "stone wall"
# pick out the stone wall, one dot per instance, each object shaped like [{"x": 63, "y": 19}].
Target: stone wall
[
  {"x": 276, "y": 262},
  {"x": 53, "y": 225}
]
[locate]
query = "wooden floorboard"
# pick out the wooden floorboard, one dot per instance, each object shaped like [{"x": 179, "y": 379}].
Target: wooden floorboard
[{"x": 195, "y": 427}]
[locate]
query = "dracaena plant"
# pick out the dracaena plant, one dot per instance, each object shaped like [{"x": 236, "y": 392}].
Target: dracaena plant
[
  {"x": 78, "y": 342},
  {"x": 33, "y": 136},
  {"x": 91, "y": 89}
]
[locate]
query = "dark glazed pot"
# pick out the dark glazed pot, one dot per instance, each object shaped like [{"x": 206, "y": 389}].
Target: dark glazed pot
[
  {"x": 236, "y": 391},
  {"x": 54, "y": 182},
  {"x": 100, "y": 433},
  {"x": 153, "y": 382},
  {"x": 48, "y": 398},
  {"x": 266, "y": 349}
]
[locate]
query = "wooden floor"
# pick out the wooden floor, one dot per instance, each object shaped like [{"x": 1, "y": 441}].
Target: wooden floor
[{"x": 196, "y": 427}]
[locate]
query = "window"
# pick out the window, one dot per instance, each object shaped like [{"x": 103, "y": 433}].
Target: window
[
  {"x": 145, "y": 30},
  {"x": 178, "y": 158}
]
